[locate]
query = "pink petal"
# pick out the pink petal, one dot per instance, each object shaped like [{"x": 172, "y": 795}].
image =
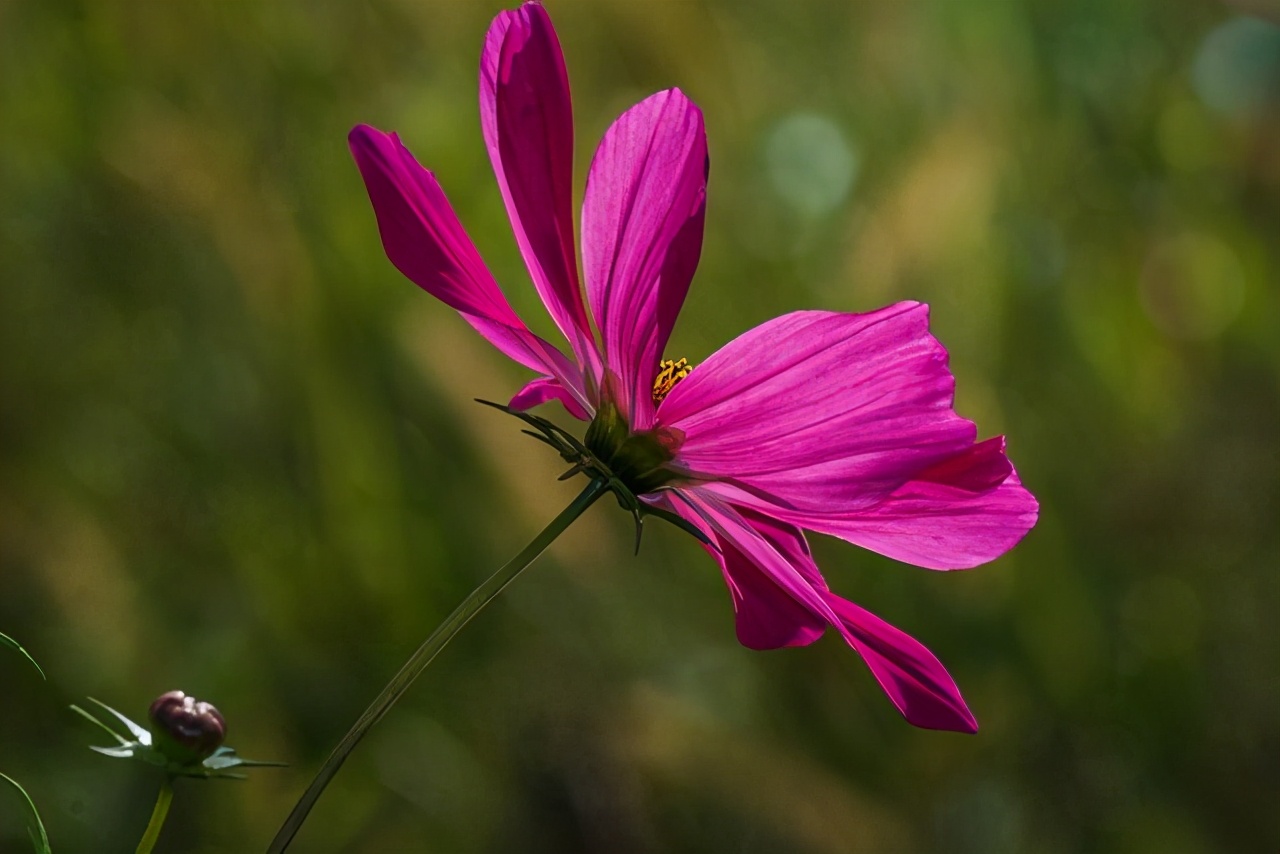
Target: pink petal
[
  {"x": 917, "y": 684},
  {"x": 529, "y": 350},
  {"x": 711, "y": 514},
  {"x": 979, "y": 468},
  {"x": 819, "y": 411},
  {"x": 547, "y": 388},
  {"x": 528, "y": 127},
  {"x": 941, "y": 524},
  {"x": 914, "y": 679},
  {"x": 765, "y": 616},
  {"x": 641, "y": 237},
  {"x": 426, "y": 242},
  {"x": 420, "y": 231}
]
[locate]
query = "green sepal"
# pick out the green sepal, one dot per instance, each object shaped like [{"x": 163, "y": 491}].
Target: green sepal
[
  {"x": 637, "y": 459},
  {"x": 642, "y": 455},
  {"x": 681, "y": 523}
]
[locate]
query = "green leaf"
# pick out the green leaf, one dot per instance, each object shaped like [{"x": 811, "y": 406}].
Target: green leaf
[
  {"x": 35, "y": 827},
  {"x": 5, "y": 640}
]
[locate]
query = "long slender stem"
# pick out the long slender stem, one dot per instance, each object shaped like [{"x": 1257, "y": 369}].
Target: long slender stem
[
  {"x": 158, "y": 815},
  {"x": 431, "y": 647}
]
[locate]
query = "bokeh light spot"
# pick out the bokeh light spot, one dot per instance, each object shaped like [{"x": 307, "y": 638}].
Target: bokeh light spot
[
  {"x": 1237, "y": 69},
  {"x": 811, "y": 163}
]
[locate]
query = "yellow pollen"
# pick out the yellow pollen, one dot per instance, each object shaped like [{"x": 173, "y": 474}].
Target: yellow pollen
[{"x": 669, "y": 373}]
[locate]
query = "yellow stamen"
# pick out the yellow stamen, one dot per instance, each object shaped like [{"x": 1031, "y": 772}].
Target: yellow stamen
[{"x": 669, "y": 373}]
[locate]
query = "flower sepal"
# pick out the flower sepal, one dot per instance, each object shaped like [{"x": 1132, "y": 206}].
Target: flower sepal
[
  {"x": 213, "y": 762},
  {"x": 583, "y": 460}
]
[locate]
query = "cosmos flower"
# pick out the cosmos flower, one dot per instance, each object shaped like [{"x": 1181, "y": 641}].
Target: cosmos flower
[{"x": 836, "y": 423}]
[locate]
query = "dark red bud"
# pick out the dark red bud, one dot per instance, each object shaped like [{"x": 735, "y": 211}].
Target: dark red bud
[{"x": 186, "y": 729}]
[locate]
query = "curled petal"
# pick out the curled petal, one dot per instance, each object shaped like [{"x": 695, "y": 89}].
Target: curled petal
[
  {"x": 940, "y": 524},
  {"x": 729, "y": 526},
  {"x": 915, "y": 681},
  {"x": 965, "y": 511},
  {"x": 979, "y": 468},
  {"x": 819, "y": 411},
  {"x": 764, "y": 615},
  {"x": 527, "y": 120},
  {"x": 547, "y": 388},
  {"x": 642, "y": 219},
  {"x": 426, "y": 242}
]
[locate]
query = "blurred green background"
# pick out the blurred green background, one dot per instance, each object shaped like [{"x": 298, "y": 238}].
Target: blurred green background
[{"x": 238, "y": 452}]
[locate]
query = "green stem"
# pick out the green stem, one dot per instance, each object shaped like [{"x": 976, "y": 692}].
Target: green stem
[
  {"x": 472, "y": 605},
  {"x": 158, "y": 815}
]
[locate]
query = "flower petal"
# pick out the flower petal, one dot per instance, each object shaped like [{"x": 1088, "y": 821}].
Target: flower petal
[
  {"x": 914, "y": 679},
  {"x": 420, "y": 231},
  {"x": 547, "y": 388},
  {"x": 764, "y": 615},
  {"x": 916, "y": 682},
  {"x": 713, "y": 515},
  {"x": 527, "y": 121},
  {"x": 819, "y": 411},
  {"x": 426, "y": 242},
  {"x": 937, "y": 522},
  {"x": 642, "y": 219}
]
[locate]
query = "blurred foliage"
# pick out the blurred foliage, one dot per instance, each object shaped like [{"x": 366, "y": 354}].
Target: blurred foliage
[{"x": 238, "y": 452}]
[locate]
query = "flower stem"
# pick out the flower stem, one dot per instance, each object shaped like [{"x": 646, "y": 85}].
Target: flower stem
[
  {"x": 158, "y": 815},
  {"x": 472, "y": 605}
]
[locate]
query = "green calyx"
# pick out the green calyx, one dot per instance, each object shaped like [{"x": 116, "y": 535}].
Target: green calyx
[
  {"x": 627, "y": 464},
  {"x": 637, "y": 459}
]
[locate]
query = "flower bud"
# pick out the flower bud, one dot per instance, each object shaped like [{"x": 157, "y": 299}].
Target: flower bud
[{"x": 186, "y": 730}]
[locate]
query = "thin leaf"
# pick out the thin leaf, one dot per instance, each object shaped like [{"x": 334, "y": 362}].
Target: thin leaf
[
  {"x": 262, "y": 763},
  {"x": 218, "y": 763},
  {"x": 5, "y": 640},
  {"x": 140, "y": 733},
  {"x": 35, "y": 827},
  {"x": 124, "y": 742}
]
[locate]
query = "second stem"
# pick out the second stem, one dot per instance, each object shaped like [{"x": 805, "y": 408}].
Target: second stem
[{"x": 158, "y": 815}]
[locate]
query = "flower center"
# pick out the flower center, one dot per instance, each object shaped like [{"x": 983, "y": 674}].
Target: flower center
[
  {"x": 669, "y": 373},
  {"x": 638, "y": 460}
]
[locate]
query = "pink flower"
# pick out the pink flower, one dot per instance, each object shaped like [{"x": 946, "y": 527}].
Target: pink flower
[{"x": 836, "y": 423}]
